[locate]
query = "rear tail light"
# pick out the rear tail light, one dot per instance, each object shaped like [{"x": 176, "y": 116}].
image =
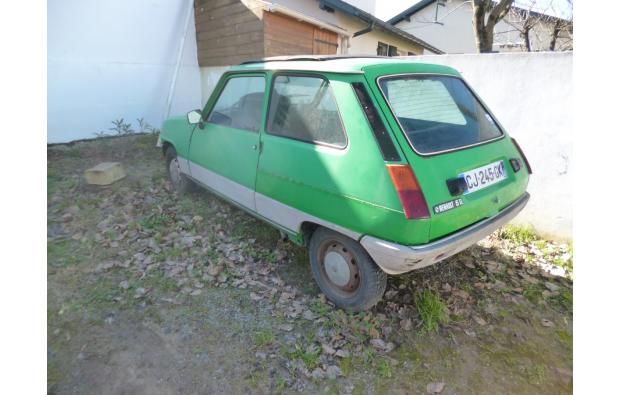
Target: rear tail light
[
  {"x": 409, "y": 191},
  {"x": 527, "y": 163}
]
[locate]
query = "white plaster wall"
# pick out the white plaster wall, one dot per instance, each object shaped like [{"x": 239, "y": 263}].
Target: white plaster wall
[
  {"x": 531, "y": 95},
  {"x": 209, "y": 77},
  {"x": 114, "y": 59},
  {"x": 456, "y": 35}
]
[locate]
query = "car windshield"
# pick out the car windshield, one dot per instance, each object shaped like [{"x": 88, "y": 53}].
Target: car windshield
[{"x": 438, "y": 113}]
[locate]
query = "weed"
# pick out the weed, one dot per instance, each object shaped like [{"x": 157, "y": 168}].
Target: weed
[
  {"x": 280, "y": 385},
  {"x": 536, "y": 374},
  {"x": 532, "y": 293},
  {"x": 156, "y": 220},
  {"x": 308, "y": 356},
  {"x": 346, "y": 366},
  {"x": 121, "y": 128},
  {"x": 564, "y": 337},
  {"x": 320, "y": 308},
  {"x": 518, "y": 234},
  {"x": 432, "y": 310},
  {"x": 158, "y": 280},
  {"x": 384, "y": 369},
  {"x": 145, "y": 127},
  {"x": 264, "y": 338}
]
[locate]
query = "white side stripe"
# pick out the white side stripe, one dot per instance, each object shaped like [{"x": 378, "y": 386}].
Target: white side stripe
[
  {"x": 292, "y": 218},
  {"x": 232, "y": 190},
  {"x": 279, "y": 213}
]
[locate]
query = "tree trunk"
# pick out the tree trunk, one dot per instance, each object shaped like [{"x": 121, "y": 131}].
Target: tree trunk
[
  {"x": 479, "y": 14},
  {"x": 526, "y": 38},
  {"x": 484, "y": 26},
  {"x": 554, "y": 36}
]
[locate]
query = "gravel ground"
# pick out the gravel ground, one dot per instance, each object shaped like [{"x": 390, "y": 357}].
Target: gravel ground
[{"x": 150, "y": 292}]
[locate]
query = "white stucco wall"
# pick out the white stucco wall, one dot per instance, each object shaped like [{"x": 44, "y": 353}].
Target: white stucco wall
[
  {"x": 531, "y": 95},
  {"x": 114, "y": 59},
  {"x": 454, "y": 35}
]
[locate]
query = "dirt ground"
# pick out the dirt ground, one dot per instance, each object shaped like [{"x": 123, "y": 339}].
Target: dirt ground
[{"x": 150, "y": 292}]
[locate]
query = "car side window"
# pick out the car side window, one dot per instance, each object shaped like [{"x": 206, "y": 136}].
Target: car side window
[
  {"x": 304, "y": 108},
  {"x": 240, "y": 104}
]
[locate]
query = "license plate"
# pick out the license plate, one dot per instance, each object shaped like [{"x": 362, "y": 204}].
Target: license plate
[{"x": 484, "y": 176}]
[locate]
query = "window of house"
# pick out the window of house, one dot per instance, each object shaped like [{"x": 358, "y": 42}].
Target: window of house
[
  {"x": 240, "y": 104},
  {"x": 304, "y": 108},
  {"x": 382, "y": 49}
]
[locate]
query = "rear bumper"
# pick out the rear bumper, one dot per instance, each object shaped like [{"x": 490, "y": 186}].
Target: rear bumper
[{"x": 396, "y": 259}]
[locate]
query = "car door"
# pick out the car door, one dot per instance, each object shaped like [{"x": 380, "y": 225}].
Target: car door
[{"x": 223, "y": 154}]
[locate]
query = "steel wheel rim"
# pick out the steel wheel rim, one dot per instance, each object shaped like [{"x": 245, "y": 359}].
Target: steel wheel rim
[{"x": 339, "y": 267}]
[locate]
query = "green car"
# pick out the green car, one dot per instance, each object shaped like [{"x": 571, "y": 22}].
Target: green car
[{"x": 378, "y": 165}]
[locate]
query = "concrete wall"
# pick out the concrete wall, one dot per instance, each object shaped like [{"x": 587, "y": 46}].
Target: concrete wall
[
  {"x": 114, "y": 59},
  {"x": 531, "y": 95}
]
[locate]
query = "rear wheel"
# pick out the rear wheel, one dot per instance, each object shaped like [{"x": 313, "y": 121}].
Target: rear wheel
[
  {"x": 179, "y": 180},
  {"x": 344, "y": 271}
]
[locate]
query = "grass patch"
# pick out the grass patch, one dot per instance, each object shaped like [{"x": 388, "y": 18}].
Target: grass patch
[
  {"x": 264, "y": 338},
  {"x": 564, "y": 337},
  {"x": 384, "y": 369},
  {"x": 308, "y": 356},
  {"x": 433, "y": 311},
  {"x": 518, "y": 234}
]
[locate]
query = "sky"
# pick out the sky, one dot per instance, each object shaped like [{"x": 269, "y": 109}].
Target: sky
[{"x": 389, "y": 8}]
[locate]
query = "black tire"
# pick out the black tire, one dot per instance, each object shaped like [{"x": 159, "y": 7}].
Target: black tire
[
  {"x": 365, "y": 281},
  {"x": 181, "y": 183}
]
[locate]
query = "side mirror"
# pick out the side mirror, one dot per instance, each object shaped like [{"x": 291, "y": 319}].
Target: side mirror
[{"x": 194, "y": 117}]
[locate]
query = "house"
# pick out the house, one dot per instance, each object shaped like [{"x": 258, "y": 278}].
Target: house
[
  {"x": 229, "y": 32},
  {"x": 448, "y": 25}
]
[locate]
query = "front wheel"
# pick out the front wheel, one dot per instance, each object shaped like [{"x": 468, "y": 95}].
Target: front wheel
[
  {"x": 344, "y": 271},
  {"x": 179, "y": 180}
]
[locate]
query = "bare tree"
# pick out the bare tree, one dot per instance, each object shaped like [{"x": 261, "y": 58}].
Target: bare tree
[
  {"x": 562, "y": 28},
  {"x": 486, "y": 15},
  {"x": 538, "y": 27}
]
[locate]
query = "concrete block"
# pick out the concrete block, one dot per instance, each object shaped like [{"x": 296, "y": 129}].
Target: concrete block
[{"x": 105, "y": 173}]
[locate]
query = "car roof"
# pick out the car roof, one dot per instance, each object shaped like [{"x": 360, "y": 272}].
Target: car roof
[{"x": 334, "y": 64}]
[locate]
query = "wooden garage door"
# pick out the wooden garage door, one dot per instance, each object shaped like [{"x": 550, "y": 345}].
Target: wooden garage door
[
  {"x": 288, "y": 36},
  {"x": 325, "y": 42}
]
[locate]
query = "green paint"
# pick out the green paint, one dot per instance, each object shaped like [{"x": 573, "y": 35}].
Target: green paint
[{"x": 349, "y": 187}]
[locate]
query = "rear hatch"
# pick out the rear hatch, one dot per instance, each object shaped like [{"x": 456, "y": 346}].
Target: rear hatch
[{"x": 458, "y": 151}]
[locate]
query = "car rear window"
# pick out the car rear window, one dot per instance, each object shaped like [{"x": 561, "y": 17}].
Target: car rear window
[
  {"x": 438, "y": 113},
  {"x": 303, "y": 108}
]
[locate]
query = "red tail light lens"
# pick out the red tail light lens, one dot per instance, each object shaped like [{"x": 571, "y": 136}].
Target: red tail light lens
[
  {"x": 409, "y": 191},
  {"x": 527, "y": 164}
]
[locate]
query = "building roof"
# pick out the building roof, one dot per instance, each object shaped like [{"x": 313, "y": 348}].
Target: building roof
[
  {"x": 423, "y": 3},
  {"x": 409, "y": 11},
  {"x": 373, "y": 22},
  {"x": 335, "y": 64}
]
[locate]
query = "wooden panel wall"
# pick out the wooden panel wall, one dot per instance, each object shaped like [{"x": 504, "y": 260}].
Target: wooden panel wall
[
  {"x": 287, "y": 36},
  {"x": 228, "y": 32}
]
